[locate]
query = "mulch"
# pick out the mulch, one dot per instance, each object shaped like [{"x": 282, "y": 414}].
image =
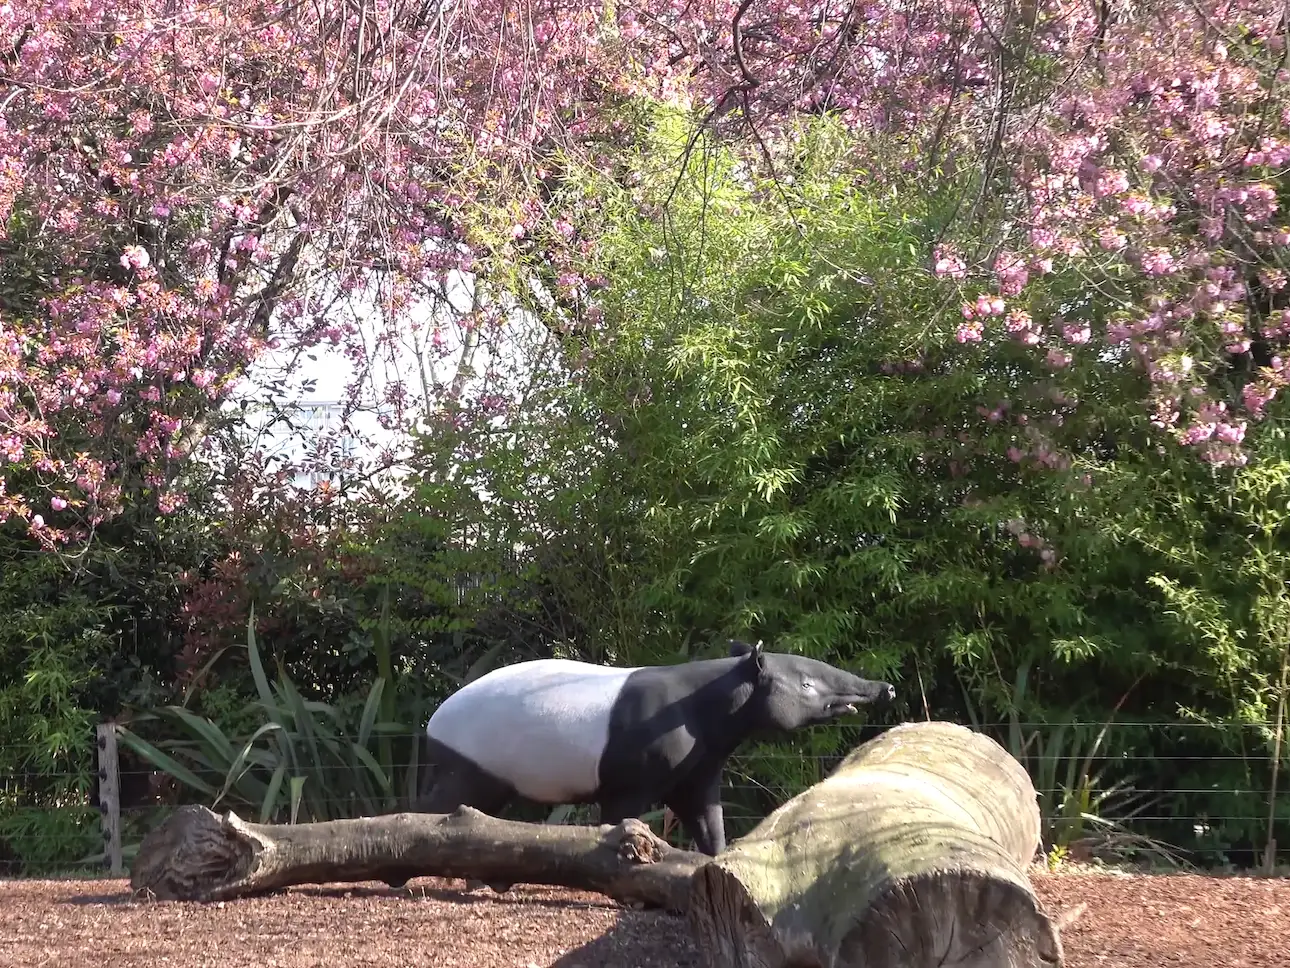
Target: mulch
[{"x": 1129, "y": 922}]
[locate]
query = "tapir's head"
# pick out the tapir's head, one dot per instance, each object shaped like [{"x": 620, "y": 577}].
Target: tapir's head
[{"x": 793, "y": 691}]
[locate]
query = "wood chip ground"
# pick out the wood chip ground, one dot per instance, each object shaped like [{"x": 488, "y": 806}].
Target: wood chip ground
[{"x": 1170, "y": 921}]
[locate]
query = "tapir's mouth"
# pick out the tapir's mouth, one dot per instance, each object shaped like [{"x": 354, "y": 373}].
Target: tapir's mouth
[{"x": 843, "y": 707}]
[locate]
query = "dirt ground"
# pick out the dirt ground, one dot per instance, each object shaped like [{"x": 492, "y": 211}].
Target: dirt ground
[{"x": 1130, "y": 922}]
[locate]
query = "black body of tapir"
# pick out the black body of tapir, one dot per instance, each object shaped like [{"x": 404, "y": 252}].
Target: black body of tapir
[{"x": 558, "y": 731}]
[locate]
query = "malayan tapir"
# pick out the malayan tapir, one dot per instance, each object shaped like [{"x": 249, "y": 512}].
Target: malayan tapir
[{"x": 556, "y": 731}]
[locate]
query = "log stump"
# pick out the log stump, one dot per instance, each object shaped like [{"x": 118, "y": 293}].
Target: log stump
[{"x": 913, "y": 853}]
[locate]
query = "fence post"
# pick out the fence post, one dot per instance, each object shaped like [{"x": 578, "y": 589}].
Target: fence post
[{"x": 110, "y": 797}]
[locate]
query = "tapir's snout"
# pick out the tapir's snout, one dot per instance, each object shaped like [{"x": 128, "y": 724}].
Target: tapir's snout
[
  {"x": 878, "y": 692},
  {"x": 872, "y": 693}
]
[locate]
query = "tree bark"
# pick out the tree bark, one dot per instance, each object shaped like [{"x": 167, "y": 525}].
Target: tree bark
[
  {"x": 197, "y": 855},
  {"x": 913, "y": 853}
]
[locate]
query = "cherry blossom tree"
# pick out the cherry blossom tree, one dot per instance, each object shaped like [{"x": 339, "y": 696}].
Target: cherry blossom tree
[{"x": 184, "y": 186}]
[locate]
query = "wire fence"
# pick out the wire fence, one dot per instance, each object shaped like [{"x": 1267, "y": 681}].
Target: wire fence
[{"x": 1185, "y": 793}]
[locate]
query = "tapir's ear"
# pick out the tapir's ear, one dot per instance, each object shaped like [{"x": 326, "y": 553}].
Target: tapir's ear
[{"x": 753, "y": 653}]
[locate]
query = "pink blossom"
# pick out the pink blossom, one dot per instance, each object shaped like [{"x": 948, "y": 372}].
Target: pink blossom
[
  {"x": 987, "y": 305},
  {"x": 1198, "y": 433},
  {"x": 1112, "y": 240},
  {"x": 1158, "y": 262},
  {"x": 1076, "y": 332},
  {"x": 1057, "y": 359},
  {"x": 1018, "y": 321},
  {"x": 1257, "y": 396},
  {"x": 947, "y": 262},
  {"x": 135, "y": 257},
  {"x": 1273, "y": 279},
  {"x": 57, "y": 503},
  {"x": 969, "y": 332},
  {"x": 1111, "y": 182},
  {"x": 1135, "y": 205},
  {"x": 1011, "y": 273},
  {"x": 1230, "y": 433}
]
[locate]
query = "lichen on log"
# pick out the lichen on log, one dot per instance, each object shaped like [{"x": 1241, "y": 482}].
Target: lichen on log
[
  {"x": 196, "y": 854},
  {"x": 913, "y": 853}
]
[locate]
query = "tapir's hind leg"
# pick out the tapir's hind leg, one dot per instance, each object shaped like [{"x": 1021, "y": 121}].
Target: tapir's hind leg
[
  {"x": 451, "y": 780},
  {"x": 457, "y": 787},
  {"x": 455, "y": 781}
]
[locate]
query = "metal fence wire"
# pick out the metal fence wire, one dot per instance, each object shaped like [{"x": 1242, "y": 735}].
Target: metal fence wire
[{"x": 1172, "y": 792}]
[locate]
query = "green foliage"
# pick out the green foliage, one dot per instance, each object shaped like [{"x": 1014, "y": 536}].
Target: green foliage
[
  {"x": 82, "y": 638},
  {"x": 775, "y": 434},
  {"x": 304, "y": 761},
  {"x": 49, "y": 645}
]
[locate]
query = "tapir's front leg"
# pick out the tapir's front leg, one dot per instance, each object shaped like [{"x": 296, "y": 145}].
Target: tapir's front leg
[{"x": 698, "y": 807}]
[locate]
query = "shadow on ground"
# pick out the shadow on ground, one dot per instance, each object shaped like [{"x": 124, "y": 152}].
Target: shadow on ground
[{"x": 666, "y": 939}]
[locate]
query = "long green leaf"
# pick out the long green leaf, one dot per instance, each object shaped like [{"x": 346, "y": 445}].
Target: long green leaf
[
  {"x": 305, "y": 725},
  {"x": 267, "y": 700},
  {"x": 381, "y": 642},
  {"x": 297, "y": 787},
  {"x": 370, "y": 709},
  {"x": 257, "y": 666},
  {"x": 373, "y": 767},
  {"x": 208, "y": 731},
  {"x": 270, "y": 801},
  {"x": 240, "y": 764},
  {"x": 164, "y": 762}
]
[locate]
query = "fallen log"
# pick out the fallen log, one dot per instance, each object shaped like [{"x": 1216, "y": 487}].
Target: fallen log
[
  {"x": 198, "y": 855},
  {"x": 913, "y": 853}
]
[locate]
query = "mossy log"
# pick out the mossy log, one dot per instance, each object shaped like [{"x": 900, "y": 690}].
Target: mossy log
[
  {"x": 913, "y": 853},
  {"x": 198, "y": 855}
]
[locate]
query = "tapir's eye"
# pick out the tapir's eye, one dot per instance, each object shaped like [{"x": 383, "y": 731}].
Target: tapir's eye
[{"x": 808, "y": 685}]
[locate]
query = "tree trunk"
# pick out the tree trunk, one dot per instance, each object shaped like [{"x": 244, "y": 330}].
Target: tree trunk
[
  {"x": 912, "y": 854},
  {"x": 197, "y": 855}
]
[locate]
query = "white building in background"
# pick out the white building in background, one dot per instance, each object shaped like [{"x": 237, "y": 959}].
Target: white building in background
[
  {"x": 317, "y": 419},
  {"x": 313, "y": 393}
]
